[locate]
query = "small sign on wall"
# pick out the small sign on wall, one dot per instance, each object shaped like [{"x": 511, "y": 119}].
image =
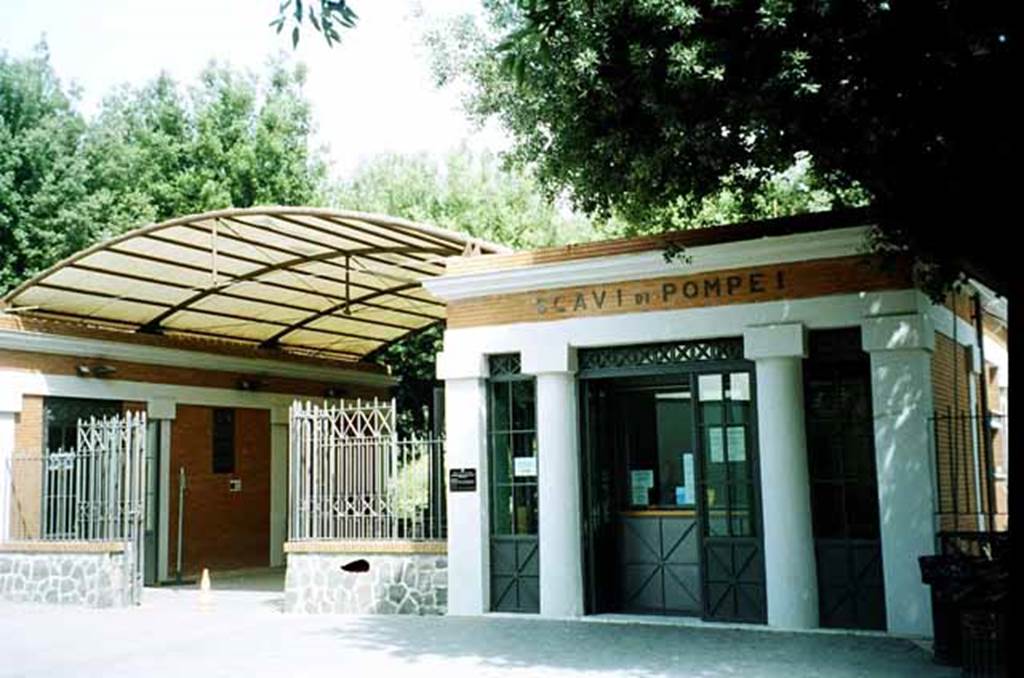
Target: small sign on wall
[
  {"x": 235, "y": 485},
  {"x": 462, "y": 480}
]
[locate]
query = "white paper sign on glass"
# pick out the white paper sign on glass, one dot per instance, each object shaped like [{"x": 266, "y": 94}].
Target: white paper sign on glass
[
  {"x": 709, "y": 387},
  {"x": 681, "y": 496},
  {"x": 643, "y": 478},
  {"x": 525, "y": 467},
  {"x": 739, "y": 386},
  {"x": 639, "y": 483}
]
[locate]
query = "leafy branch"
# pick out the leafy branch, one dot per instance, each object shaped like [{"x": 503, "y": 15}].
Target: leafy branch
[{"x": 333, "y": 14}]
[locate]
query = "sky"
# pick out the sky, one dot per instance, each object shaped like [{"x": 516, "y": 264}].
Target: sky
[{"x": 372, "y": 94}]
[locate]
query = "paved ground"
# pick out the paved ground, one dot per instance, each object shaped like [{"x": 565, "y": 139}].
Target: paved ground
[{"x": 245, "y": 634}]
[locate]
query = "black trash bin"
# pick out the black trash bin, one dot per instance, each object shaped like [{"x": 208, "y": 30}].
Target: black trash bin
[
  {"x": 984, "y": 650},
  {"x": 983, "y": 619},
  {"x": 948, "y": 575}
]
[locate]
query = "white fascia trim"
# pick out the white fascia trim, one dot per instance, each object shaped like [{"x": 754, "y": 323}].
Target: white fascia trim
[
  {"x": 34, "y": 383},
  {"x": 644, "y": 265},
  {"x": 39, "y": 342}
]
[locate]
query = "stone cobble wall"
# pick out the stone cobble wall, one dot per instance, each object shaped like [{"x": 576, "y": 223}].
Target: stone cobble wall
[
  {"x": 394, "y": 584},
  {"x": 89, "y": 579}
]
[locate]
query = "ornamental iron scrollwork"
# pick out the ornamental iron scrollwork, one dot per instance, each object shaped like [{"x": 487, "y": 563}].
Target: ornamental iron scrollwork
[
  {"x": 668, "y": 353},
  {"x": 505, "y": 365}
]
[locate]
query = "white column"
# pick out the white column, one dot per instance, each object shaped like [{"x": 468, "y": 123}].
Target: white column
[
  {"x": 558, "y": 475},
  {"x": 901, "y": 389},
  {"x": 465, "y": 377},
  {"x": 789, "y": 561},
  {"x": 161, "y": 411},
  {"x": 10, "y": 407},
  {"x": 278, "y": 484}
]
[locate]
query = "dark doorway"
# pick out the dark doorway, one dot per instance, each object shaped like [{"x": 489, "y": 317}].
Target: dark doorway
[
  {"x": 643, "y": 482},
  {"x": 844, "y": 486},
  {"x": 671, "y": 507}
]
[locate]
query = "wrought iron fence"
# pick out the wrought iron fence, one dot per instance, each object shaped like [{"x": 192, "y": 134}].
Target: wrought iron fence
[
  {"x": 92, "y": 492},
  {"x": 352, "y": 478},
  {"x": 969, "y": 457}
]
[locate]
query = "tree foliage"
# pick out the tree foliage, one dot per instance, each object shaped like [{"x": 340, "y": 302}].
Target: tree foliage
[
  {"x": 150, "y": 153},
  {"x": 465, "y": 192},
  {"x": 653, "y": 105}
]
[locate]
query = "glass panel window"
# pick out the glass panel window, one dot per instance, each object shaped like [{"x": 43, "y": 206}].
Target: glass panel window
[
  {"x": 513, "y": 449},
  {"x": 501, "y": 406},
  {"x": 501, "y": 458},
  {"x": 662, "y": 464},
  {"x": 717, "y": 504},
  {"x": 742, "y": 509},
  {"x": 676, "y": 483},
  {"x": 725, "y": 434},
  {"x": 501, "y": 508},
  {"x": 525, "y": 507},
  {"x": 523, "y": 406}
]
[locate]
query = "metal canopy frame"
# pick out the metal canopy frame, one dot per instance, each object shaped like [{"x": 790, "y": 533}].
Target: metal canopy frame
[{"x": 329, "y": 283}]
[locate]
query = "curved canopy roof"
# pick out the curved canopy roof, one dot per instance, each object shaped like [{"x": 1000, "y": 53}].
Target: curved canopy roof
[{"x": 315, "y": 281}]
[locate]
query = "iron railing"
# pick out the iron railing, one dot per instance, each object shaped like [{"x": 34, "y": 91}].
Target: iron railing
[
  {"x": 94, "y": 492},
  {"x": 353, "y": 479},
  {"x": 969, "y": 496}
]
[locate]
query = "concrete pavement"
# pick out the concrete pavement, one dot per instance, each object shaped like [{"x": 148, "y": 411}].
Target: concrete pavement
[{"x": 245, "y": 634}]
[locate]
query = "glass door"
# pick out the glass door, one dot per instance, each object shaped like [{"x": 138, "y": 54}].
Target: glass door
[
  {"x": 641, "y": 497},
  {"x": 733, "y": 551}
]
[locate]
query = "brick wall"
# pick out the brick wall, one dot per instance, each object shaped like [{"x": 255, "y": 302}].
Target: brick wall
[
  {"x": 222, "y": 529},
  {"x": 26, "y": 507}
]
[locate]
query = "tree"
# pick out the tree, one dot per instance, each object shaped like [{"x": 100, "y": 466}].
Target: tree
[
  {"x": 42, "y": 176},
  {"x": 150, "y": 154},
  {"x": 464, "y": 192},
  {"x": 639, "y": 107}
]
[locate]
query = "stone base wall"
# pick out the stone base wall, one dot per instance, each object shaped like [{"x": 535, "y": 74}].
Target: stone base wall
[
  {"x": 89, "y": 579},
  {"x": 411, "y": 583}
]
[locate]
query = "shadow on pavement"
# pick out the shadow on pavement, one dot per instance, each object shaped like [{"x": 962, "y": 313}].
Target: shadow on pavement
[{"x": 638, "y": 649}]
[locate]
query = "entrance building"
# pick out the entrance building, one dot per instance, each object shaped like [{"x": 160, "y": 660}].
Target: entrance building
[{"x": 745, "y": 434}]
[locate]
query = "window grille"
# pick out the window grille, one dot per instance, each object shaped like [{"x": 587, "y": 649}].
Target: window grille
[
  {"x": 505, "y": 365},
  {"x": 668, "y": 353}
]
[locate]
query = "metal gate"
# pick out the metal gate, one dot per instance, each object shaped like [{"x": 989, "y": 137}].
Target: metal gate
[
  {"x": 353, "y": 478},
  {"x": 92, "y": 491}
]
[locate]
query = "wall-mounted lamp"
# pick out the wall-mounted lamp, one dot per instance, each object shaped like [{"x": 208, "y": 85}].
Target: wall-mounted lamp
[{"x": 98, "y": 371}]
